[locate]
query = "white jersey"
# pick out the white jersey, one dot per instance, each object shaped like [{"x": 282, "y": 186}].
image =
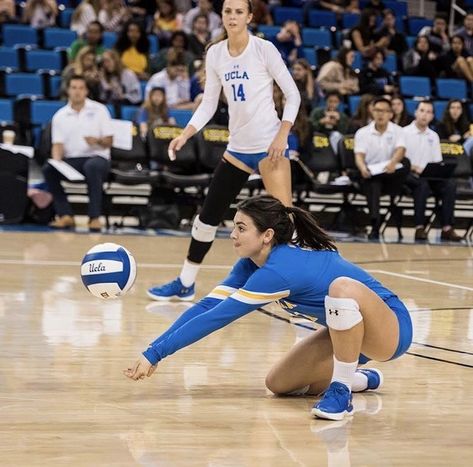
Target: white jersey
[{"x": 247, "y": 82}]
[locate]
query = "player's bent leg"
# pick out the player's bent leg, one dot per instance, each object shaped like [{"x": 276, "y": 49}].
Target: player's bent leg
[{"x": 277, "y": 179}]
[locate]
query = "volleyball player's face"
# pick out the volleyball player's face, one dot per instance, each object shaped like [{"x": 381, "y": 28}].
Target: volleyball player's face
[
  {"x": 235, "y": 16},
  {"x": 247, "y": 240}
]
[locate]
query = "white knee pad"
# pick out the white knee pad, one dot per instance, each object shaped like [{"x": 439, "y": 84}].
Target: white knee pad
[
  {"x": 342, "y": 313},
  {"x": 203, "y": 232}
]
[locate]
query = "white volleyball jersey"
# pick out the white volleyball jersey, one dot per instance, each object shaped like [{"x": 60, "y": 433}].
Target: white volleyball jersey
[{"x": 247, "y": 82}]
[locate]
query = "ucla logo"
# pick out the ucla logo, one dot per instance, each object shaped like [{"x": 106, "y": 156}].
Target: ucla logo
[
  {"x": 235, "y": 75},
  {"x": 93, "y": 267}
]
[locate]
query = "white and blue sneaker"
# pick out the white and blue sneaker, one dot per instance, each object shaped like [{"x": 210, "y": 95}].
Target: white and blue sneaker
[
  {"x": 375, "y": 377},
  {"x": 335, "y": 403},
  {"x": 173, "y": 290}
]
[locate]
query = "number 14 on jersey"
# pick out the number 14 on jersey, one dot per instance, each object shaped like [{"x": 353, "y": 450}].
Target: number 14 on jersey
[{"x": 238, "y": 92}]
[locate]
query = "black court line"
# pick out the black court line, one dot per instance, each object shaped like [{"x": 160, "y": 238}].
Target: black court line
[
  {"x": 446, "y": 308},
  {"x": 443, "y": 348},
  {"x": 407, "y": 260},
  {"x": 286, "y": 320}
]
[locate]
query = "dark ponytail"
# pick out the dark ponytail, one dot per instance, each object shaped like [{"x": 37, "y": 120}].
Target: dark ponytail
[{"x": 269, "y": 213}]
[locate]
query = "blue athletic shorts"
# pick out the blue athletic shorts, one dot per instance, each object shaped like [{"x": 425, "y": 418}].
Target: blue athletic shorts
[
  {"x": 252, "y": 160},
  {"x": 405, "y": 328}
]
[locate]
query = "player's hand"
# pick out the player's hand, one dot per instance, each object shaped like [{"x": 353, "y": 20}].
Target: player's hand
[
  {"x": 140, "y": 369},
  {"x": 175, "y": 145},
  {"x": 390, "y": 167},
  {"x": 91, "y": 140},
  {"x": 277, "y": 148},
  {"x": 365, "y": 173}
]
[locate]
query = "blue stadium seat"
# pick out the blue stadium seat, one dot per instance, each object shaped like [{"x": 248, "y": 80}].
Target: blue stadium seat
[
  {"x": 414, "y": 25},
  {"x": 390, "y": 63},
  {"x": 153, "y": 44},
  {"x": 411, "y": 41},
  {"x": 415, "y": 86},
  {"x": 316, "y": 37},
  {"x": 14, "y": 34},
  {"x": 182, "y": 116},
  {"x": 129, "y": 112},
  {"x": 42, "y": 111},
  {"x": 143, "y": 87},
  {"x": 353, "y": 103},
  {"x": 269, "y": 32},
  {"x": 43, "y": 59},
  {"x": 65, "y": 17},
  {"x": 54, "y": 86},
  {"x": 451, "y": 88},
  {"x": 310, "y": 55},
  {"x": 109, "y": 39},
  {"x": 57, "y": 37},
  {"x": 322, "y": 19},
  {"x": 9, "y": 58},
  {"x": 358, "y": 62},
  {"x": 6, "y": 110},
  {"x": 398, "y": 7},
  {"x": 439, "y": 108},
  {"x": 411, "y": 105},
  {"x": 350, "y": 20},
  {"x": 23, "y": 83},
  {"x": 111, "y": 109},
  {"x": 281, "y": 14}
]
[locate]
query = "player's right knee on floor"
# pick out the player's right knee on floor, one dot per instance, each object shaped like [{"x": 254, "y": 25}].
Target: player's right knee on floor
[
  {"x": 203, "y": 232},
  {"x": 342, "y": 314}
]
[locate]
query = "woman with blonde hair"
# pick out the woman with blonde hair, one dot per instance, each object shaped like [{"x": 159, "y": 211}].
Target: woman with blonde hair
[
  {"x": 83, "y": 15},
  {"x": 40, "y": 13}
]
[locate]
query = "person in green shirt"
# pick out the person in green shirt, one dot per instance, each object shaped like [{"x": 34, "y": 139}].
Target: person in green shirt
[{"x": 92, "y": 38}]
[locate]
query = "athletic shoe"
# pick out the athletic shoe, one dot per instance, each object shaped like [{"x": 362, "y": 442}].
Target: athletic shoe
[
  {"x": 335, "y": 403},
  {"x": 375, "y": 377},
  {"x": 173, "y": 290}
]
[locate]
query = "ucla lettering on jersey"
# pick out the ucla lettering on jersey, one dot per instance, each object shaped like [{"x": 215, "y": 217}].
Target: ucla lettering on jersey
[{"x": 236, "y": 74}]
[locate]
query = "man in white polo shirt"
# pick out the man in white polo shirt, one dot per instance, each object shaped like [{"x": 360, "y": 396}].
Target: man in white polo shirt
[
  {"x": 81, "y": 135},
  {"x": 379, "y": 156},
  {"x": 422, "y": 148}
]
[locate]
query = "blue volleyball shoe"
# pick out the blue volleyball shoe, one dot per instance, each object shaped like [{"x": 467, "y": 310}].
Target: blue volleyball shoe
[
  {"x": 173, "y": 290},
  {"x": 375, "y": 378},
  {"x": 335, "y": 403}
]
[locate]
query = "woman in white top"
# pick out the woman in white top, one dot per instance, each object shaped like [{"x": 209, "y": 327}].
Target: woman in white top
[
  {"x": 246, "y": 67},
  {"x": 83, "y": 15}
]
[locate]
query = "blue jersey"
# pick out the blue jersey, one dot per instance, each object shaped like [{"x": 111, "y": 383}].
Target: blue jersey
[{"x": 297, "y": 278}]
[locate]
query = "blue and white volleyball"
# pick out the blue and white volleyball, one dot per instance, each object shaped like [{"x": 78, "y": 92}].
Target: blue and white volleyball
[{"x": 108, "y": 270}]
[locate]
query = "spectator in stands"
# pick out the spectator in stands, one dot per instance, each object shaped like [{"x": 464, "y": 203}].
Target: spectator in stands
[
  {"x": 400, "y": 115},
  {"x": 93, "y": 38},
  {"x": 82, "y": 135},
  {"x": 423, "y": 147},
  {"x": 363, "y": 115},
  {"x": 340, "y": 6},
  {"x": 204, "y": 7},
  {"x": 200, "y": 36},
  {"x": 363, "y": 37},
  {"x": 330, "y": 120},
  {"x": 289, "y": 42},
  {"x": 85, "y": 65},
  {"x": 338, "y": 75},
  {"x": 437, "y": 34},
  {"x": 380, "y": 143},
  {"x": 174, "y": 79},
  {"x": 454, "y": 125},
  {"x": 117, "y": 83},
  {"x": 304, "y": 79},
  {"x": 154, "y": 111},
  {"x": 261, "y": 14},
  {"x": 166, "y": 21},
  {"x": 40, "y": 13},
  {"x": 179, "y": 44},
  {"x": 373, "y": 78},
  {"x": 86, "y": 12},
  {"x": 114, "y": 14},
  {"x": 376, "y": 5},
  {"x": 7, "y": 11},
  {"x": 457, "y": 62},
  {"x": 396, "y": 41},
  {"x": 133, "y": 47},
  {"x": 420, "y": 60},
  {"x": 467, "y": 32}
]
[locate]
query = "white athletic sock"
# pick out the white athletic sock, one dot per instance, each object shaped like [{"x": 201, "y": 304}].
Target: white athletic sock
[
  {"x": 360, "y": 382},
  {"x": 189, "y": 273},
  {"x": 344, "y": 372}
]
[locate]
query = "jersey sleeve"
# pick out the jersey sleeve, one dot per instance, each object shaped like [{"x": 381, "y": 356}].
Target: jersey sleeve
[
  {"x": 212, "y": 88},
  {"x": 280, "y": 73}
]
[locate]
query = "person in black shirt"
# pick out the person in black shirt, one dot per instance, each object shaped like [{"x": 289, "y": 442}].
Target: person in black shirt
[
  {"x": 457, "y": 62},
  {"x": 373, "y": 78},
  {"x": 397, "y": 42}
]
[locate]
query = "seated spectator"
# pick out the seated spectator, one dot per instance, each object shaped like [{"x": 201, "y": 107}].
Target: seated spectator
[
  {"x": 304, "y": 79},
  {"x": 289, "y": 42},
  {"x": 204, "y": 7},
  {"x": 376, "y": 5},
  {"x": 261, "y": 14},
  {"x": 457, "y": 62},
  {"x": 7, "y": 11},
  {"x": 117, "y": 83},
  {"x": 166, "y": 21},
  {"x": 174, "y": 79},
  {"x": 363, "y": 115},
  {"x": 40, "y": 13},
  {"x": 93, "y": 38},
  {"x": 380, "y": 142},
  {"x": 422, "y": 148},
  {"x": 396, "y": 41},
  {"x": 363, "y": 37},
  {"x": 340, "y": 6},
  {"x": 437, "y": 34},
  {"x": 420, "y": 60},
  {"x": 83, "y": 15},
  {"x": 84, "y": 65},
  {"x": 330, "y": 120},
  {"x": 454, "y": 125},
  {"x": 179, "y": 44},
  {"x": 81, "y": 134},
  {"x": 154, "y": 111},
  {"x": 373, "y": 78},
  {"x": 133, "y": 47},
  {"x": 113, "y": 15},
  {"x": 467, "y": 32},
  {"x": 200, "y": 37},
  {"x": 338, "y": 75},
  {"x": 400, "y": 115}
]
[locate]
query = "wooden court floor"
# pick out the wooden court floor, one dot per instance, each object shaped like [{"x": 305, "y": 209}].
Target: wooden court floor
[{"x": 64, "y": 400}]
